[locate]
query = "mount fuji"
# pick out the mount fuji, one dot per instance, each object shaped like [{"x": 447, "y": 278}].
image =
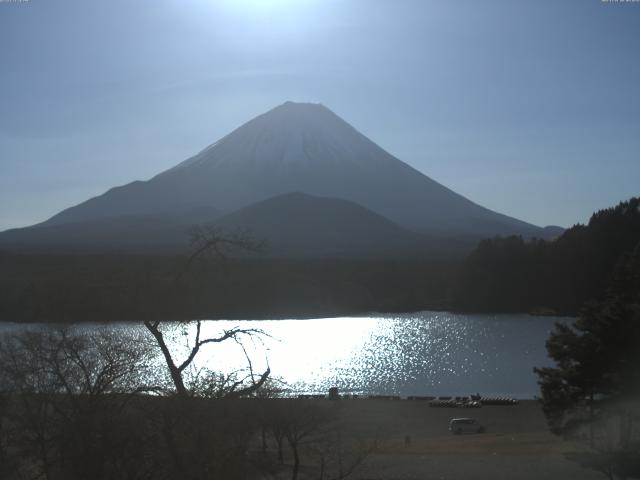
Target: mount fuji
[{"x": 295, "y": 147}]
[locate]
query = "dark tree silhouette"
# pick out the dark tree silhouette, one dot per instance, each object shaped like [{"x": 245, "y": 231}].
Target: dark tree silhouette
[
  {"x": 597, "y": 376},
  {"x": 598, "y": 356},
  {"x": 64, "y": 412},
  {"x": 208, "y": 240},
  {"x": 514, "y": 275}
]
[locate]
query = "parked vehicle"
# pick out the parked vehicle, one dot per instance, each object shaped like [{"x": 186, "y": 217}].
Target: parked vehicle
[{"x": 465, "y": 425}]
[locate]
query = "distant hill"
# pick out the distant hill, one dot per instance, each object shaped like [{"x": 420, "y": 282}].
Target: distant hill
[
  {"x": 301, "y": 225},
  {"x": 150, "y": 233}
]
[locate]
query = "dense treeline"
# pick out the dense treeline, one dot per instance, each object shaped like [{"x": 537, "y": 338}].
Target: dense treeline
[
  {"x": 593, "y": 390},
  {"x": 510, "y": 274},
  {"x": 75, "y": 288}
]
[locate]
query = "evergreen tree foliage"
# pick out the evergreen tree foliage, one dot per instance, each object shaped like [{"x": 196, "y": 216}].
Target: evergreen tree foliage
[
  {"x": 598, "y": 356},
  {"x": 511, "y": 274}
]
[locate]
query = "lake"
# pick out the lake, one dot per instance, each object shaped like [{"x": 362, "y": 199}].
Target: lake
[{"x": 424, "y": 353}]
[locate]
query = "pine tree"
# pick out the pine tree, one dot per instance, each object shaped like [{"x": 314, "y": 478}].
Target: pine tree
[
  {"x": 597, "y": 373},
  {"x": 598, "y": 356}
]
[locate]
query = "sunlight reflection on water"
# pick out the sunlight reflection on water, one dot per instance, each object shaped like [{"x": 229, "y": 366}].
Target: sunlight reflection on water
[{"x": 425, "y": 353}]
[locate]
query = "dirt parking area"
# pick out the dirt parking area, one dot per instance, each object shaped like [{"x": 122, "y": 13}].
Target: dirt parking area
[{"x": 414, "y": 442}]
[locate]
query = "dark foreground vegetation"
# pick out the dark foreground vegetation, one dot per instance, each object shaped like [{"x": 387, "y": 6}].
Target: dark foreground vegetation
[
  {"x": 78, "y": 406},
  {"x": 84, "y": 405},
  {"x": 594, "y": 390},
  {"x": 514, "y": 275},
  {"x": 104, "y": 288}
]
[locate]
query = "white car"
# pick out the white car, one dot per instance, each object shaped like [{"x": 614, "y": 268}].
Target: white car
[{"x": 465, "y": 425}]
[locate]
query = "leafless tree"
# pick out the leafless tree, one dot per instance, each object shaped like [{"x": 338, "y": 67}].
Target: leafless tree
[
  {"x": 177, "y": 369},
  {"x": 317, "y": 438},
  {"x": 304, "y": 421},
  {"x": 66, "y": 391},
  {"x": 213, "y": 242},
  {"x": 198, "y": 443},
  {"x": 207, "y": 240},
  {"x": 298, "y": 423},
  {"x": 273, "y": 388},
  {"x": 341, "y": 456}
]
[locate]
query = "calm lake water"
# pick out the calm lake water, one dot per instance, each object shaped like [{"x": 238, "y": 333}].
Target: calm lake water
[{"x": 425, "y": 353}]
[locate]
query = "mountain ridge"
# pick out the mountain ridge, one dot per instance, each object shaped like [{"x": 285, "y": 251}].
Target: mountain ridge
[
  {"x": 294, "y": 147},
  {"x": 302, "y": 147},
  {"x": 291, "y": 225}
]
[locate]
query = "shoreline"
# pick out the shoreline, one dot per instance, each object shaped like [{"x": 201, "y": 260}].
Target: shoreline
[{"x": 302, "y": 317}]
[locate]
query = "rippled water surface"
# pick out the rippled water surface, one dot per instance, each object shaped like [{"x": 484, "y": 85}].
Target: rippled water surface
[{"x": 426, "y": 353}]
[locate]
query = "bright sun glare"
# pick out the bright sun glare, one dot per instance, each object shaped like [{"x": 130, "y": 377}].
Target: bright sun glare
[{"x": 265, "y": 5}]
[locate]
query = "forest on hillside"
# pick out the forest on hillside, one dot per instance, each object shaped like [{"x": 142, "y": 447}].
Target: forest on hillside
[{"x": 513, "y": 275}]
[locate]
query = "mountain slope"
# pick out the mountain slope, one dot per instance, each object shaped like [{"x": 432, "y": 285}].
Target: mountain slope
[
  {"x": 293, "y": 225},
  {"x": 301, "y": 225},
  {"x": 131, "y": 233},
  {"x": 299, "y": 147}
]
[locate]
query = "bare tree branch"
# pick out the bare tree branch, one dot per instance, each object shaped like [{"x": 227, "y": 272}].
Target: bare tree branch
[{"x": 209, "y": 240}]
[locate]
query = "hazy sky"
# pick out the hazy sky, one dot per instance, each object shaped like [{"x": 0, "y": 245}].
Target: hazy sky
[{"x": 530, "y": 108}]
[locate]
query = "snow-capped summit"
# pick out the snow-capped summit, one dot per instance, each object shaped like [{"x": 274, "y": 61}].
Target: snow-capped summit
[
  {"x": 300, "y": 147},
  {"x": 289, "y": 134}
]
